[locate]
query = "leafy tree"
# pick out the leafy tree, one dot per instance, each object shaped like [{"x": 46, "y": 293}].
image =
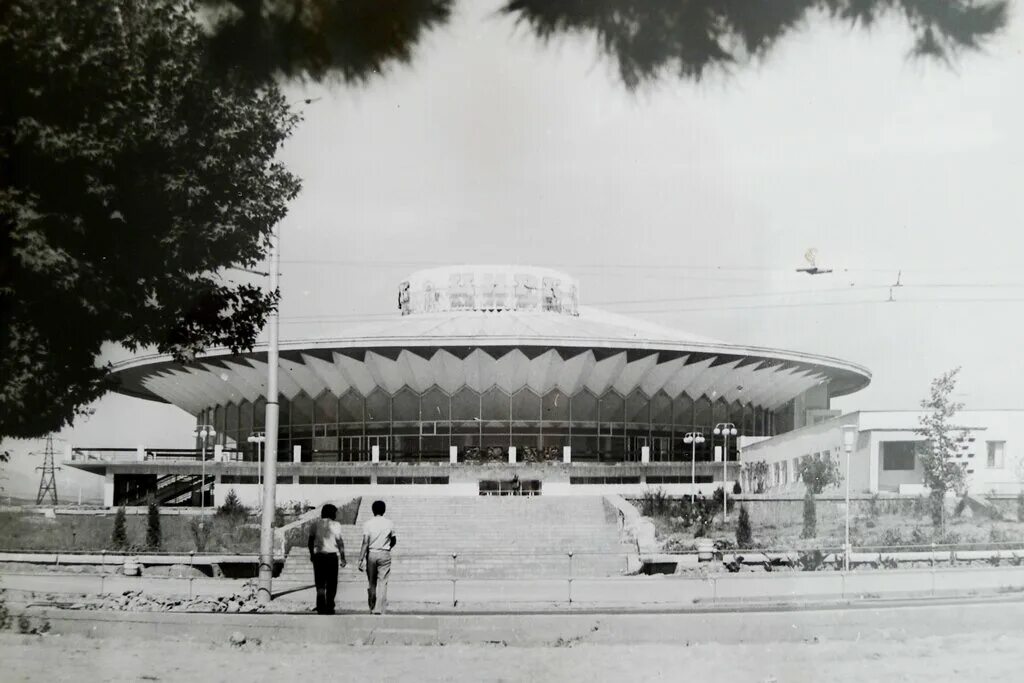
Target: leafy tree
[
  {"x": 942, "y": 473},
  {"x": 352, "y": 40},
  {"x": 757, "y": 474},
  {"x": 232, "y": 506},
  {"x": 744, "y": 536},
  {"x": 153, "y": 535},
  {"x": 131, "y": 179},
  {"x": 818, "y": 473},
  {"x": 810, "y": 529},
  {"x": 652, "y": 38},
  {"x": 119, "y": 536}
]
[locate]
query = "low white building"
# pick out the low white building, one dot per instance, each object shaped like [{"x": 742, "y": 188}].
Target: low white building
[{"x": 884, "y": 457}]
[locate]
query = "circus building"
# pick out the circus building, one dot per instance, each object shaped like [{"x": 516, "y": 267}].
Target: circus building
[{"x": 485, "y": 377}]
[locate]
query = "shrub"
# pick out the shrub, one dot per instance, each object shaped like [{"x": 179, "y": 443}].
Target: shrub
[
  {"x": 279, "y": 516},
  {"x": 654, "y": 503},
  {"x": 919, "y": 537},
  {"x": 960, "y": 505},
  {"x": 153, "y": 535},
  {"x": 1020, "y": 506},
  {"x": 873, "y": 508},
  {"x": 810, "y": 529},
  {"x": 119, "y": 536},
  {"x": 5, "y": 614},
  {"x": 232, "y": 507},
  {"x": 920, "y": 506},
  {"x": 892, "y": 538},
  {"x": 200, "y": 531},
  {"x": 737, "y": 489},
  {"x": 744, "y": 537}
]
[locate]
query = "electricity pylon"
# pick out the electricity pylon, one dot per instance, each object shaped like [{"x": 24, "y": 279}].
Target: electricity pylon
[{"x": 47, "y": 480}]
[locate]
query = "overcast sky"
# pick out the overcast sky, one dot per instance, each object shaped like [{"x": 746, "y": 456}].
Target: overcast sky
[{"x": 698, "y": 200}]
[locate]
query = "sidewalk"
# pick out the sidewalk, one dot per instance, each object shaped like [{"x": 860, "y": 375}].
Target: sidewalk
[{"x": 750, "y": 626}]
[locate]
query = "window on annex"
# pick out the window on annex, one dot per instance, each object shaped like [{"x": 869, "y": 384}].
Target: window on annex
[
  {"x": 259, "y": 414},
  {"x": 555, "y": 409},
  {"x": 996, "y": 454},
  {"x": 898, "y": 455},
  {"x": 495, "y": 406}
]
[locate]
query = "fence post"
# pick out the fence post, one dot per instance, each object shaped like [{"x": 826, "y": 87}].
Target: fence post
[
  {"x": 455, "y": 578},
  {"x": 714, "y": 590},
  {"x": 103, "y": 570},
  {"x": 570, "y": 577}
]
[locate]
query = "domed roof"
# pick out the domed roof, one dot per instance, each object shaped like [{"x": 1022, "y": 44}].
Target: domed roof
[{"x": 482, "y": 327}]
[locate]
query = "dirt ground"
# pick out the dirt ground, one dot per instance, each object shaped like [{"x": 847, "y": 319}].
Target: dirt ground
[{"x": 970, "y": 657}]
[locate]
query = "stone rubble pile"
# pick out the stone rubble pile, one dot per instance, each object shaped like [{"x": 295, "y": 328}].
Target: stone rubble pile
[{"x": 137, "y": 601}]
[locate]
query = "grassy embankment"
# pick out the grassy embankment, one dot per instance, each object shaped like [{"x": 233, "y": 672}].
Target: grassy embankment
[
  {"x": 876, "y": 522},
  {"x": 237, "y": 533}
]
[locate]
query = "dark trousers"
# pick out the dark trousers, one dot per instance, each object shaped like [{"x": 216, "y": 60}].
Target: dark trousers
[{"x": 325, "y": 576}]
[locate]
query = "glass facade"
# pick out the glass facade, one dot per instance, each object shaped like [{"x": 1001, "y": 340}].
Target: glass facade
[{"x": 411, "y": 427}]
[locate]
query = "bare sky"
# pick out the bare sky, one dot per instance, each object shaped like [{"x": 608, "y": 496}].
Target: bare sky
[{"x": 698, "y": 200}]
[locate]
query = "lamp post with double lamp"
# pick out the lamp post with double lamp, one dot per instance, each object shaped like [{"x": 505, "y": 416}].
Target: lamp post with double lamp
[
  {"x": 849, "y": 436},
  {"x": 693, "y": 438},
  {"x": 726, "y": 429},
  {"x": 258, "y": 438},
  {"x": 203, "y": 432}
]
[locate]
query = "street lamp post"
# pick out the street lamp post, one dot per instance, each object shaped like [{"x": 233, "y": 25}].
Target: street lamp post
[
  {"x": 693, "y": 438},
  {"x": 725, "y": 429},
  {"x": 258, "y": 438},
  {"x": 849, "y": 436},
  {"x": 203, "y": 432}
]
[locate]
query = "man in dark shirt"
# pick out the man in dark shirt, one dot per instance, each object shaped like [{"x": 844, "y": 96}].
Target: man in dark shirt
[{"x": 326, "y": 552}]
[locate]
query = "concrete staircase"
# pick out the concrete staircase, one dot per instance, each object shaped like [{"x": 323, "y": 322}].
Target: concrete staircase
[{"x": 493, "y": 537}]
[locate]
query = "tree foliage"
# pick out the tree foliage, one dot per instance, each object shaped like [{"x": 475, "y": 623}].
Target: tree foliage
[
  {"x": 352, "y": 40},
  {"x": 818, "y": 473},
  {"x": 131, "y": 178},
  {"x": 810, "y": 529},
  {"x": 744, "y": 535},
  {"x": 938, "y": 450},
  {"x": 119, "y": 534},
  {"x": 318, "y": 39},
  {"x": 154, "y": 537},
  {"x": 757, "y": 475},
  {"x": 649, "y": 39}
]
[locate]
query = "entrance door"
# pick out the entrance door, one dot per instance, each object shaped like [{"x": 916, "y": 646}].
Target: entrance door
[{"x": 351, "y": 449}]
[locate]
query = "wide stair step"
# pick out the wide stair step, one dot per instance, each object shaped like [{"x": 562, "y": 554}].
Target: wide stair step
[{"x": 506, "y": 537}]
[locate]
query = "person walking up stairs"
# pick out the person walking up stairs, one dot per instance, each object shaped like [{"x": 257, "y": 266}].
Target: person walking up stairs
[{"x": 375, "y": 555}]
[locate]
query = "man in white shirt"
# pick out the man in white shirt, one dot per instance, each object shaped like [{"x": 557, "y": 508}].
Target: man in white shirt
[
  {"x": 326, "y": 552},
  {"x": 375, "y": 555}
]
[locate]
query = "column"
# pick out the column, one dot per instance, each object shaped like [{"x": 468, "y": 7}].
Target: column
[
  {"x": 567, "y": 454},
  {"x": 108, "y": 489},
  {"x": 453, "y": 454},
  {"x": 297, "y": 453},
  {"x": 374, "y": 453},
  {"x": 511, "y": 455},
  {"x": 645, "y": 454}
]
